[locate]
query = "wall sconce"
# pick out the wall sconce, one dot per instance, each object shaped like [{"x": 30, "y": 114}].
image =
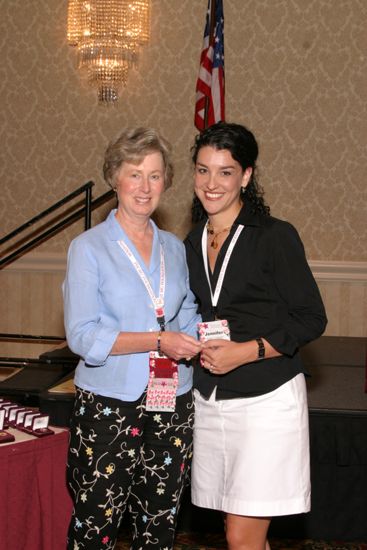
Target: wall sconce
[{"x": 108, "y": 35}]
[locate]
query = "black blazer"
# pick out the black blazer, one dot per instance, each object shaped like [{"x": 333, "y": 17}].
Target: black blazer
[{"x": 268, "y": 291}]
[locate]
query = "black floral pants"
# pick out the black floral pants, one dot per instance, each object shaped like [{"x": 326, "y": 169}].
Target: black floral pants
[{"x": 121, "y": 456}]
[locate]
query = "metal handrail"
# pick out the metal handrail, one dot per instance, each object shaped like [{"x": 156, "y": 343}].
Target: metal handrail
[
  {"x": 46, "y": 234},
  {"x": 30, "y": 337},
  {"x": 86, "y": 210},
  {"x": 87, "y": 187},
  {"x": 25, "y": 361}
]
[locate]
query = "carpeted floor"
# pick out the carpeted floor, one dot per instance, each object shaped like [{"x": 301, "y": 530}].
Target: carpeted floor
[{"x": 203, "y": 541}]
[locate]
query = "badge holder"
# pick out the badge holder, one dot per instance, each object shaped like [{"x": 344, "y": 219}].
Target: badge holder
[
  {"x": 163, "y": 383},
  {"x": 212, "y": 330}
]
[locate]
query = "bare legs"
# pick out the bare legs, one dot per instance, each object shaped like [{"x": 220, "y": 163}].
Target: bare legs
[{"x": 247, "y": 533}]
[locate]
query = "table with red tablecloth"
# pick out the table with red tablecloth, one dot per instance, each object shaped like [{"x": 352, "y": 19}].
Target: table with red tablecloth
[{"x": 35, "y": 506}]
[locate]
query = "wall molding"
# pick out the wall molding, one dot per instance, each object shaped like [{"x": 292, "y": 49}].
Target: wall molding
[
  {"x": 334, "y": 271},
  {"x": 39, "y": 262},
  {"x": 339, "y": 271}
]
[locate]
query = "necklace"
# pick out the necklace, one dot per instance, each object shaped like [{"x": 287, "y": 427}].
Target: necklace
[{"x": 210, "y": 230}]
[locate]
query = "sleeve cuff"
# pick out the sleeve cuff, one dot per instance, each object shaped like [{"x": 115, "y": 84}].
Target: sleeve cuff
[
  {"x": 101, "y": 348},
  {"x": 282, "y": 342}
]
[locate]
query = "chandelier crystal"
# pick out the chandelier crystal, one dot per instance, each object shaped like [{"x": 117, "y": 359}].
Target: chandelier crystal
[{"x": 108, "y": 35}]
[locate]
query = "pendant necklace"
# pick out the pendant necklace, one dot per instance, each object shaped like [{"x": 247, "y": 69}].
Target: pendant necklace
[{"x": 210, "y": 230}]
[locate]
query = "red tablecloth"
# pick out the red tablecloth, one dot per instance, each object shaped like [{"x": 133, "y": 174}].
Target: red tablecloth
[{"x": 35, "y": 506}]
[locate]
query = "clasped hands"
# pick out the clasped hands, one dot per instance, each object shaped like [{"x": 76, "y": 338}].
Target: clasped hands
[
  {"x": 218, "y": 356},
  {"x": 221, "y": 356}
]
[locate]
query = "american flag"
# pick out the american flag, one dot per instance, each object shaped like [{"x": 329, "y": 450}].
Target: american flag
[{"x": 209, "y": 107}]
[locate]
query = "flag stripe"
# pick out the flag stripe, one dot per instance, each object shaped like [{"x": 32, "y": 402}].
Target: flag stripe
[{"x": 210, "y": 82}]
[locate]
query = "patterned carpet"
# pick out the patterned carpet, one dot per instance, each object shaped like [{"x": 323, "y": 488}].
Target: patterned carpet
[{"x": 201, "y": 541}]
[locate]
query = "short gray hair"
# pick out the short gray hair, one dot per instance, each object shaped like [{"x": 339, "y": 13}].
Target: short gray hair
[{"x": 132, "y": 145}]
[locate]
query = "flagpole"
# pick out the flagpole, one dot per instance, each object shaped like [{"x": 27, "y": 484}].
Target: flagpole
[{"x": 211, "y": 34}]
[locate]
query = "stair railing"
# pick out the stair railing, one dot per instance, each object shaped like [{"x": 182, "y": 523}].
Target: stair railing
[
  {"x": 86, "y": 211},
  {"x": 55, "y": 226}
]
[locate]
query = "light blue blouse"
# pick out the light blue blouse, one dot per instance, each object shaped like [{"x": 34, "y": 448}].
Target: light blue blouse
[{"x": 104, "y": 295}]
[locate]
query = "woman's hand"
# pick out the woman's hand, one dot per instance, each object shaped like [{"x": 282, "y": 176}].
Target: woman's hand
[
  {"x": 178, "y": 345},
  {"x": 222, "y": 356}
]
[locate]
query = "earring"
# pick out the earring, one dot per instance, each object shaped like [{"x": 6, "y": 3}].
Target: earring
[{"x": 243, "y": 189}]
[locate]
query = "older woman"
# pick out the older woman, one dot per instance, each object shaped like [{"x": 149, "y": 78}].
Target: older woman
[
  {"x": 259, "y": 304},
  {"x": 130, "y": 315}
]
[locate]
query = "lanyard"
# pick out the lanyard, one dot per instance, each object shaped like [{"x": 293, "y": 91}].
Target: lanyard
[
  {"x": 158, "y": 303},
  {"x": 219, "y": 284}
]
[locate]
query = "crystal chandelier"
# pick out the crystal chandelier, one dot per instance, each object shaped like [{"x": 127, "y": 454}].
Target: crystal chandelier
[{"x": 108, "y": 35}]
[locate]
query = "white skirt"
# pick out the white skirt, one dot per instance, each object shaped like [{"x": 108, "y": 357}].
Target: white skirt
[{"x": 251, "y": 455}]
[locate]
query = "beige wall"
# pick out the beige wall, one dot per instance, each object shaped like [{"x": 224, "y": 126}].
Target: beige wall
[
  {"x": 31, "y": 302},
  {"x": 296, "y": 74}
]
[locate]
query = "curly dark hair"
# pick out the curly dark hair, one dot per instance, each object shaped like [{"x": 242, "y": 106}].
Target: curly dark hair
[{"x": 242, "y": 145}]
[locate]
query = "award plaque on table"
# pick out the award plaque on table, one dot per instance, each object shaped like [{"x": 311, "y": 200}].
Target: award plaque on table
[
  {"x": 3, "y": 404},
  {"x": 7, "y": 407},
  {"x": 28, "y": 420},
  {"x": 12, "y": 414},
  {"x": 19, "y": 417},
  {"x": 40, "y": 425},
  {"x": 5, "y": 437}
]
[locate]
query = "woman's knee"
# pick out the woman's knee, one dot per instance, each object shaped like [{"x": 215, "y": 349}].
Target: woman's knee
[
  {"x": 245, "y": 533},
  {"x": 234, "y": 539}
]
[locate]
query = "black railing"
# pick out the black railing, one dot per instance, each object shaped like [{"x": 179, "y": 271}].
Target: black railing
[
  {"x": 30, "y": 337},
  {"x": 55, "y": 226},
  {"x": 46, "y": 234},
  {"x": 24, "y": 361}
]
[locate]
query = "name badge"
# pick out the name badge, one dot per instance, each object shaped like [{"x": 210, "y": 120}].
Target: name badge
[
  {"x": 163, "y": 383},
  {"x": 214, "y": 330}
]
